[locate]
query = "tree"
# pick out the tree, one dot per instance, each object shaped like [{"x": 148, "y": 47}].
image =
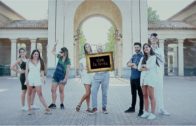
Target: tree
[
  {"x": 152, "y": 15},
  {"x": 109, "y": 46},
  {"x": 82, "y": 41}
]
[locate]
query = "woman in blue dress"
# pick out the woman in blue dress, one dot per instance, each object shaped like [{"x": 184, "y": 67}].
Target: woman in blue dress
[{"x": 60, "y": 76}]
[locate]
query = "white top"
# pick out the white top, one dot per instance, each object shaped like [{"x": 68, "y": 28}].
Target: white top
[
  {"x": 159, "y": 52},
  {"x": 34, "y": 74},
  {"x": 159, "y": 88},
  {"x": 85, "y": 76},
  {"x": 149, "y": 77}
]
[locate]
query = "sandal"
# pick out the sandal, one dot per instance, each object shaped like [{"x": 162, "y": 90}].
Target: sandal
[
  {"x": 88, "y": 110},
  {"x": 78, "y": 108},
  {"x": 47, "y": 111}
]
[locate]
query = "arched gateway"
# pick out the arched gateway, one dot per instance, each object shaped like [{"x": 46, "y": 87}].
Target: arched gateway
[{"x": 66, "y": 17}]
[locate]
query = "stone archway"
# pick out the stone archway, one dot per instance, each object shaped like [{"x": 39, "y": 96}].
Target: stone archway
[{"x": 106, "y": 9}]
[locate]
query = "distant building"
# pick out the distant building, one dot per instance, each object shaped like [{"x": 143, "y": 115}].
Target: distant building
[{"x": 178, "y": 37}]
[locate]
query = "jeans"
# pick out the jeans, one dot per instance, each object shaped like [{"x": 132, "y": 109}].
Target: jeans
[
  {"x": 135, "y": 86},
  {"x": 103, "y": 80}
]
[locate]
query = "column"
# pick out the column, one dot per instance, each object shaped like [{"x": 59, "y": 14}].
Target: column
[
  {"x": 52, "y": 9},
  {"x": 33, "y": 44},
  {"x": 180, "y": 57},
  {"x": 144, "y": 21},
  {"x": 13, "y": 54}
]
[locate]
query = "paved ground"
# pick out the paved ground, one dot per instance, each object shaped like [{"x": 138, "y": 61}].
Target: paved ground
[{"x": 179, "y": 95}]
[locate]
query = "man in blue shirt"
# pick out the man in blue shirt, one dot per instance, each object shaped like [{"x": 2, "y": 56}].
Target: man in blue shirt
[{"x": 135, "y": 79}]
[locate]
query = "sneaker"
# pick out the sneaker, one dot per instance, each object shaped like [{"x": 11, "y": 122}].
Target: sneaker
[
  {"x": 52, "y": 106},
  {"x": 145, "y": 115},
  {"x": 151, "y": 116},
  {"x": 30, "y": 112},
  {"x": 24, "y": 108},
  {"x": 140, "y": 113},
  {"x": 104, "y": 110},
  {"x": 164, "y": 112},
  {"x": 93, "y": 111},
  {"x": 34, "y": 107},
  {"x": 130, "y": 109},
  {"x": 62, "y": 106},
  {"x": 78, "y": 108}
]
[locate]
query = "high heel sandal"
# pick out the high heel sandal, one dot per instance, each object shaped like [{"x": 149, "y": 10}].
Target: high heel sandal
[
  {"x": 78, "y": 108},
  {"x": 47, "y": 111},
  {"x": 88, "y": 110}
]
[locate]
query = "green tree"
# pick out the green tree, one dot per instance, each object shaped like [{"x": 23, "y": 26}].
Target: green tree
[
  {"x": 152, "y": 15},
  {"x": 109, "y": 46},
  {"x": 82, "y": 41}
]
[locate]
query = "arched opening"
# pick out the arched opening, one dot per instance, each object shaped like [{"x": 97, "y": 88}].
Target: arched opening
[
  {"x": 107, "y": 10},
  {"x": 190, "y": 57},
  {"x": 5, "y": 51},
  {"x": 26, "y": 44},
  {"x": 171, "y": 57},
  {"x": 98, "y": 30}
]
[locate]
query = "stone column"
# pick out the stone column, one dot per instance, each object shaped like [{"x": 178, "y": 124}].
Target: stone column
[
  {"x": 180, "y": 57},
  {"x": 13, "y": 54},
  {"x": 33, "y": 44}
]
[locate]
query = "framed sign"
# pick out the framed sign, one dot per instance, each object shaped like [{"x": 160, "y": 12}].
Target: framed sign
[{"x": 99, "y": 62}]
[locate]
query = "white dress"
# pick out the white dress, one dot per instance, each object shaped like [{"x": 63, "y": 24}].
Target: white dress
[
  {"x": 86, "y": 77},
  {"x": 34, "y": 75},
  {"x": 149, "y": 77},
  {"x": 160, "y": 53}
]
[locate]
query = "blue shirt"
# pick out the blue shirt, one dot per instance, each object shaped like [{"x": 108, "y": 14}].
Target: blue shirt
[{"x": 135, "y": 73}]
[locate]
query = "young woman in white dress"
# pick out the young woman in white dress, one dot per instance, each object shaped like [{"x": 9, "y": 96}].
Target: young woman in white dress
[
  {"x": 19, "y": 67},
  {"x": 86, "y": 79},
  {"x": 148, "y": 65},
  {"x": 35, "y": 77},
  {"x": 159, "y": 52}
]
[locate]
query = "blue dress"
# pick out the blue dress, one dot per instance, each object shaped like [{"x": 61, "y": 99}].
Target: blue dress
[{"x": 60, "y": 70}]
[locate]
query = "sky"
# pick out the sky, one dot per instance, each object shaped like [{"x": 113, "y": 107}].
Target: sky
[
  {"x": 96, "y": 28},
  {"x": 37, "y": 9},
  {"x": 167, "y": 8},
  {"x": 29, "y": 9}
]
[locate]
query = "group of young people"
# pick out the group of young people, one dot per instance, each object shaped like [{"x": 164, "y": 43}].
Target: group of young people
[
  {"x": 146, "y": 77},
  {"x": 32, "y": 76},
  {"x": 147, "y": 71}
]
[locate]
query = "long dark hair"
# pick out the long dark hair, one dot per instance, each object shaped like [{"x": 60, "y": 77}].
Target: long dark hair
[
  {"x": 145, "y": 57},
  {"x": 41, "y": 60},
  {"x": 21, "y": 50},
  {"x": 66, "y": 52},
  {"x": 85, "y": 48}
]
